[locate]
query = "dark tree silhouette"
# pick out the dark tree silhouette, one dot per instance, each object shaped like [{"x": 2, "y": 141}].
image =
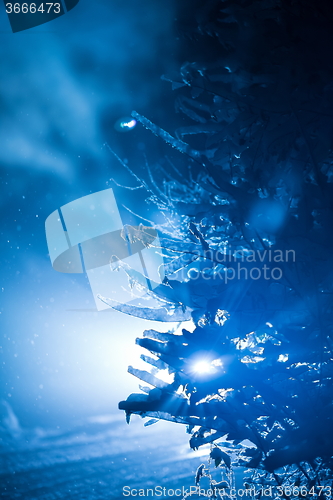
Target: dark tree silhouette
[{"x": 249, "y": 186}]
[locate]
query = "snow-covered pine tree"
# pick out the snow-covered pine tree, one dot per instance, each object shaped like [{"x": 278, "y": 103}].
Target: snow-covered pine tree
[{"x": 252, "y": 182}]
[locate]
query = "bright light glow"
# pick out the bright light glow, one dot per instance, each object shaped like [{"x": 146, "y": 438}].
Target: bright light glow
[
  {"x": 203, "y": 367},
  {"x": 125, "y": 124},
  {"x": 130, "y": 124}
]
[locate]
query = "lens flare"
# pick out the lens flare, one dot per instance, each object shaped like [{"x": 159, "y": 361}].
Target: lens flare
[
  {"x": 203, "y": 367},
  {"x": 125, "y": 124}
]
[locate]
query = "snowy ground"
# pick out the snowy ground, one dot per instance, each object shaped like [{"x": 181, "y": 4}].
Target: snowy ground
[{"x": 95, "y": 459}]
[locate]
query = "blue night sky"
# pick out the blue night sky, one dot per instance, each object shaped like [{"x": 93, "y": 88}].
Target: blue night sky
[{"x": 63, "y": 86}]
